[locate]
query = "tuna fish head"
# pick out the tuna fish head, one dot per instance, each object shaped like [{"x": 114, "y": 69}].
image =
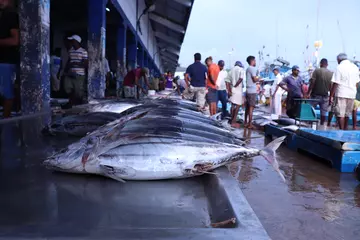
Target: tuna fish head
[{"x": 73, "y": 159}]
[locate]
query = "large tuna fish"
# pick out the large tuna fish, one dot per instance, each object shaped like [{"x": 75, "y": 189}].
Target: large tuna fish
[{"x": 151, "y": 157}]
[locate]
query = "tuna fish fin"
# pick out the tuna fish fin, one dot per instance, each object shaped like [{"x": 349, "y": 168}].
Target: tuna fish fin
[
  {"x": 117, "y": 178},
  {"x": 216, "y": 117},
  {"x": 117, "y": 173},
  {"x": 269, "y": 154},
  {"x": 205, "y": 172}
]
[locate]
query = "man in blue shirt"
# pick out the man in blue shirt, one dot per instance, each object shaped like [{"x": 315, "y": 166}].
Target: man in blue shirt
[
  {"x": 293, "y": 84},
  {"x": 195, "y": 79}
]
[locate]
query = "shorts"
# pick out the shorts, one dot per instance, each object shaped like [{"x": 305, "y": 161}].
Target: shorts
[
  {"x": 356, "y": 104},
  {"x": 198, "y": 92},
  {"x": 343, "y": 107},
  {"x": 7, "y": 78},
  {"x": 211, "y": 96},
  {"x": 75, "y": 84},
  {"x": 129, "y": 92},
  {"x": 323, "y": 102},
  {"x": 292, "y": 108},
  {"x": 251, "y": 99},
  {"x": 236, "y": 98}
]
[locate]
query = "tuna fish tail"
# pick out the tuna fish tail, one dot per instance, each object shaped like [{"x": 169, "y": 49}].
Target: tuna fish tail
[
  {"x": 269, "y": 154},
  {"x": 216, "y": 117}
]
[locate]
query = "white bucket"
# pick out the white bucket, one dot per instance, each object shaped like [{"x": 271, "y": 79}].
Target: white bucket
[{"x": 151, "y": 92}]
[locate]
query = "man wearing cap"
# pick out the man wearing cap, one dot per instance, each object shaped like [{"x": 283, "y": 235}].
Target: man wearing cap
[
  {"x": 9, "y": 54},
  {"x": 132, "y": 80},
  {"x": 343, "y": 90},
  {"x": 276, "y": 93},
  {"x": 252, "y": 77},
  {"x": 195, "y": 78},
  {"x": 221, "y": 87},
  {"x": 293, "y": 84},
  {"x": 235, "y": 88},
  {"x": 75, "y": 71},
  {"x": 320, "y": 84}
]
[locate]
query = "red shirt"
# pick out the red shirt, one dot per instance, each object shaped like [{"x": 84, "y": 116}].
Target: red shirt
[
  {"x": 130, "y": 77},
  {"x": 213, "y": 71}
]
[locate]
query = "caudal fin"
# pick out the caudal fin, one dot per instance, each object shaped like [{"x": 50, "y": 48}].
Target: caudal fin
[
  {"x": 216, "y": 117},
  {"x": 269, "y": 154}
]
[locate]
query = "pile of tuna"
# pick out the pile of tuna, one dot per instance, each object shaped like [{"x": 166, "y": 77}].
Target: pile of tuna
[{"x": 157, "y": 139}]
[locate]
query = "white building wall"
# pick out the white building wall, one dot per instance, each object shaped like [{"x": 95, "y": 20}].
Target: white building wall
[{"x": 147, "y": 37}]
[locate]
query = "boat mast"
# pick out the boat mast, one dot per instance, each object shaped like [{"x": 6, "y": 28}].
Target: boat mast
[
  {"x": 341, "y": 35},
  {"x": 277, "y": 38}
]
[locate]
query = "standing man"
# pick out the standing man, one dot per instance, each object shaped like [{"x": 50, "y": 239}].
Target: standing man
[
  {"x": 195, "y": 78},
  {"x": 293, "y": 84},
  {"x": 276, "y": 93},
  {"x": 213, "y": 74},
  {"x": 251, "y": 91},
  {"x": 75, "y": 72},
  {"x": 221, "y": 87},
  {"x": 343, "y": 90},
  {"x": 236, "y": 77},
  {"x": 9, "y": 54},
  {"x": 320, "y": 84},
  {"x": 132, "y": 80}
]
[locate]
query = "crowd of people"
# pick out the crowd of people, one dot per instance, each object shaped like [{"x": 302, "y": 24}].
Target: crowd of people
[
  {"x": 211, "y": 83},
  {"x": 337, "y": 93}
]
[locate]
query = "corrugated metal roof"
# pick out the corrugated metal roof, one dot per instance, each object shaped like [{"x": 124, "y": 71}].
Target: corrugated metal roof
[{"x": 169, "y": 21}]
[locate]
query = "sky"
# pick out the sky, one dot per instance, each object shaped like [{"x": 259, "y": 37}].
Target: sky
[{"x": 216, "y": 27}]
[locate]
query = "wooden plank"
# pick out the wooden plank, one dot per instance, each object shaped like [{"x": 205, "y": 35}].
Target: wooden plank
[
  {"x": 312, "y": 134},
  {"x": 327, "y": 149},
  {"x": 350, "y": 160}
]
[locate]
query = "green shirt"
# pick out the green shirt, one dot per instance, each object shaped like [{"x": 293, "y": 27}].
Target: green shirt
[{"x": 321, "y": 78}]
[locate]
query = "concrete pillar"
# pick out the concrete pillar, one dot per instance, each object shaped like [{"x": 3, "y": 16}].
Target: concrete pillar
[
  {"x": 121, "y": 56},
  {"x": 149, "y": 64},
  {"x": 132, "y": 52},
  {"x": 34, "y": 16},
  {"x": 140, "y": 57},
  {"x": 96, "y": 48},
  {"x": 121, "y": 43},
  {"x": 146, "y": 60}
]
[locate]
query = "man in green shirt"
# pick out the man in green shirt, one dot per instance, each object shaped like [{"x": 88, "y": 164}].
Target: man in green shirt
[{"x": 320, "y": 84}]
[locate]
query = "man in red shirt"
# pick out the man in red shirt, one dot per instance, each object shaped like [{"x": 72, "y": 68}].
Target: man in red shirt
[
  {"x": 213, "y": 73},
  {"x": 132, "y": 79}
]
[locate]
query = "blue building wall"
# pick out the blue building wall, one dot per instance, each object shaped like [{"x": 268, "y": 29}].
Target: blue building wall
[{"x": 35, "y": 47}]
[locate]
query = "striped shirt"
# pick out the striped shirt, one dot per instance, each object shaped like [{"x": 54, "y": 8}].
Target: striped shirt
[{"x": 77, "y": 56}]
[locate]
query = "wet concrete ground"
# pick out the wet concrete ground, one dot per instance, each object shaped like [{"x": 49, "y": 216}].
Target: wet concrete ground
[{"x": 316, "y": 202}]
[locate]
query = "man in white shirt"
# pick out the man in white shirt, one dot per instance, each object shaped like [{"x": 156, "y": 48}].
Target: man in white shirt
[
  {"x": 276, "y": 93},
  {"x": 221, "y": 87},
  {"x": 343, "y": 90},
  {"x": 236, "y": 77}
]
